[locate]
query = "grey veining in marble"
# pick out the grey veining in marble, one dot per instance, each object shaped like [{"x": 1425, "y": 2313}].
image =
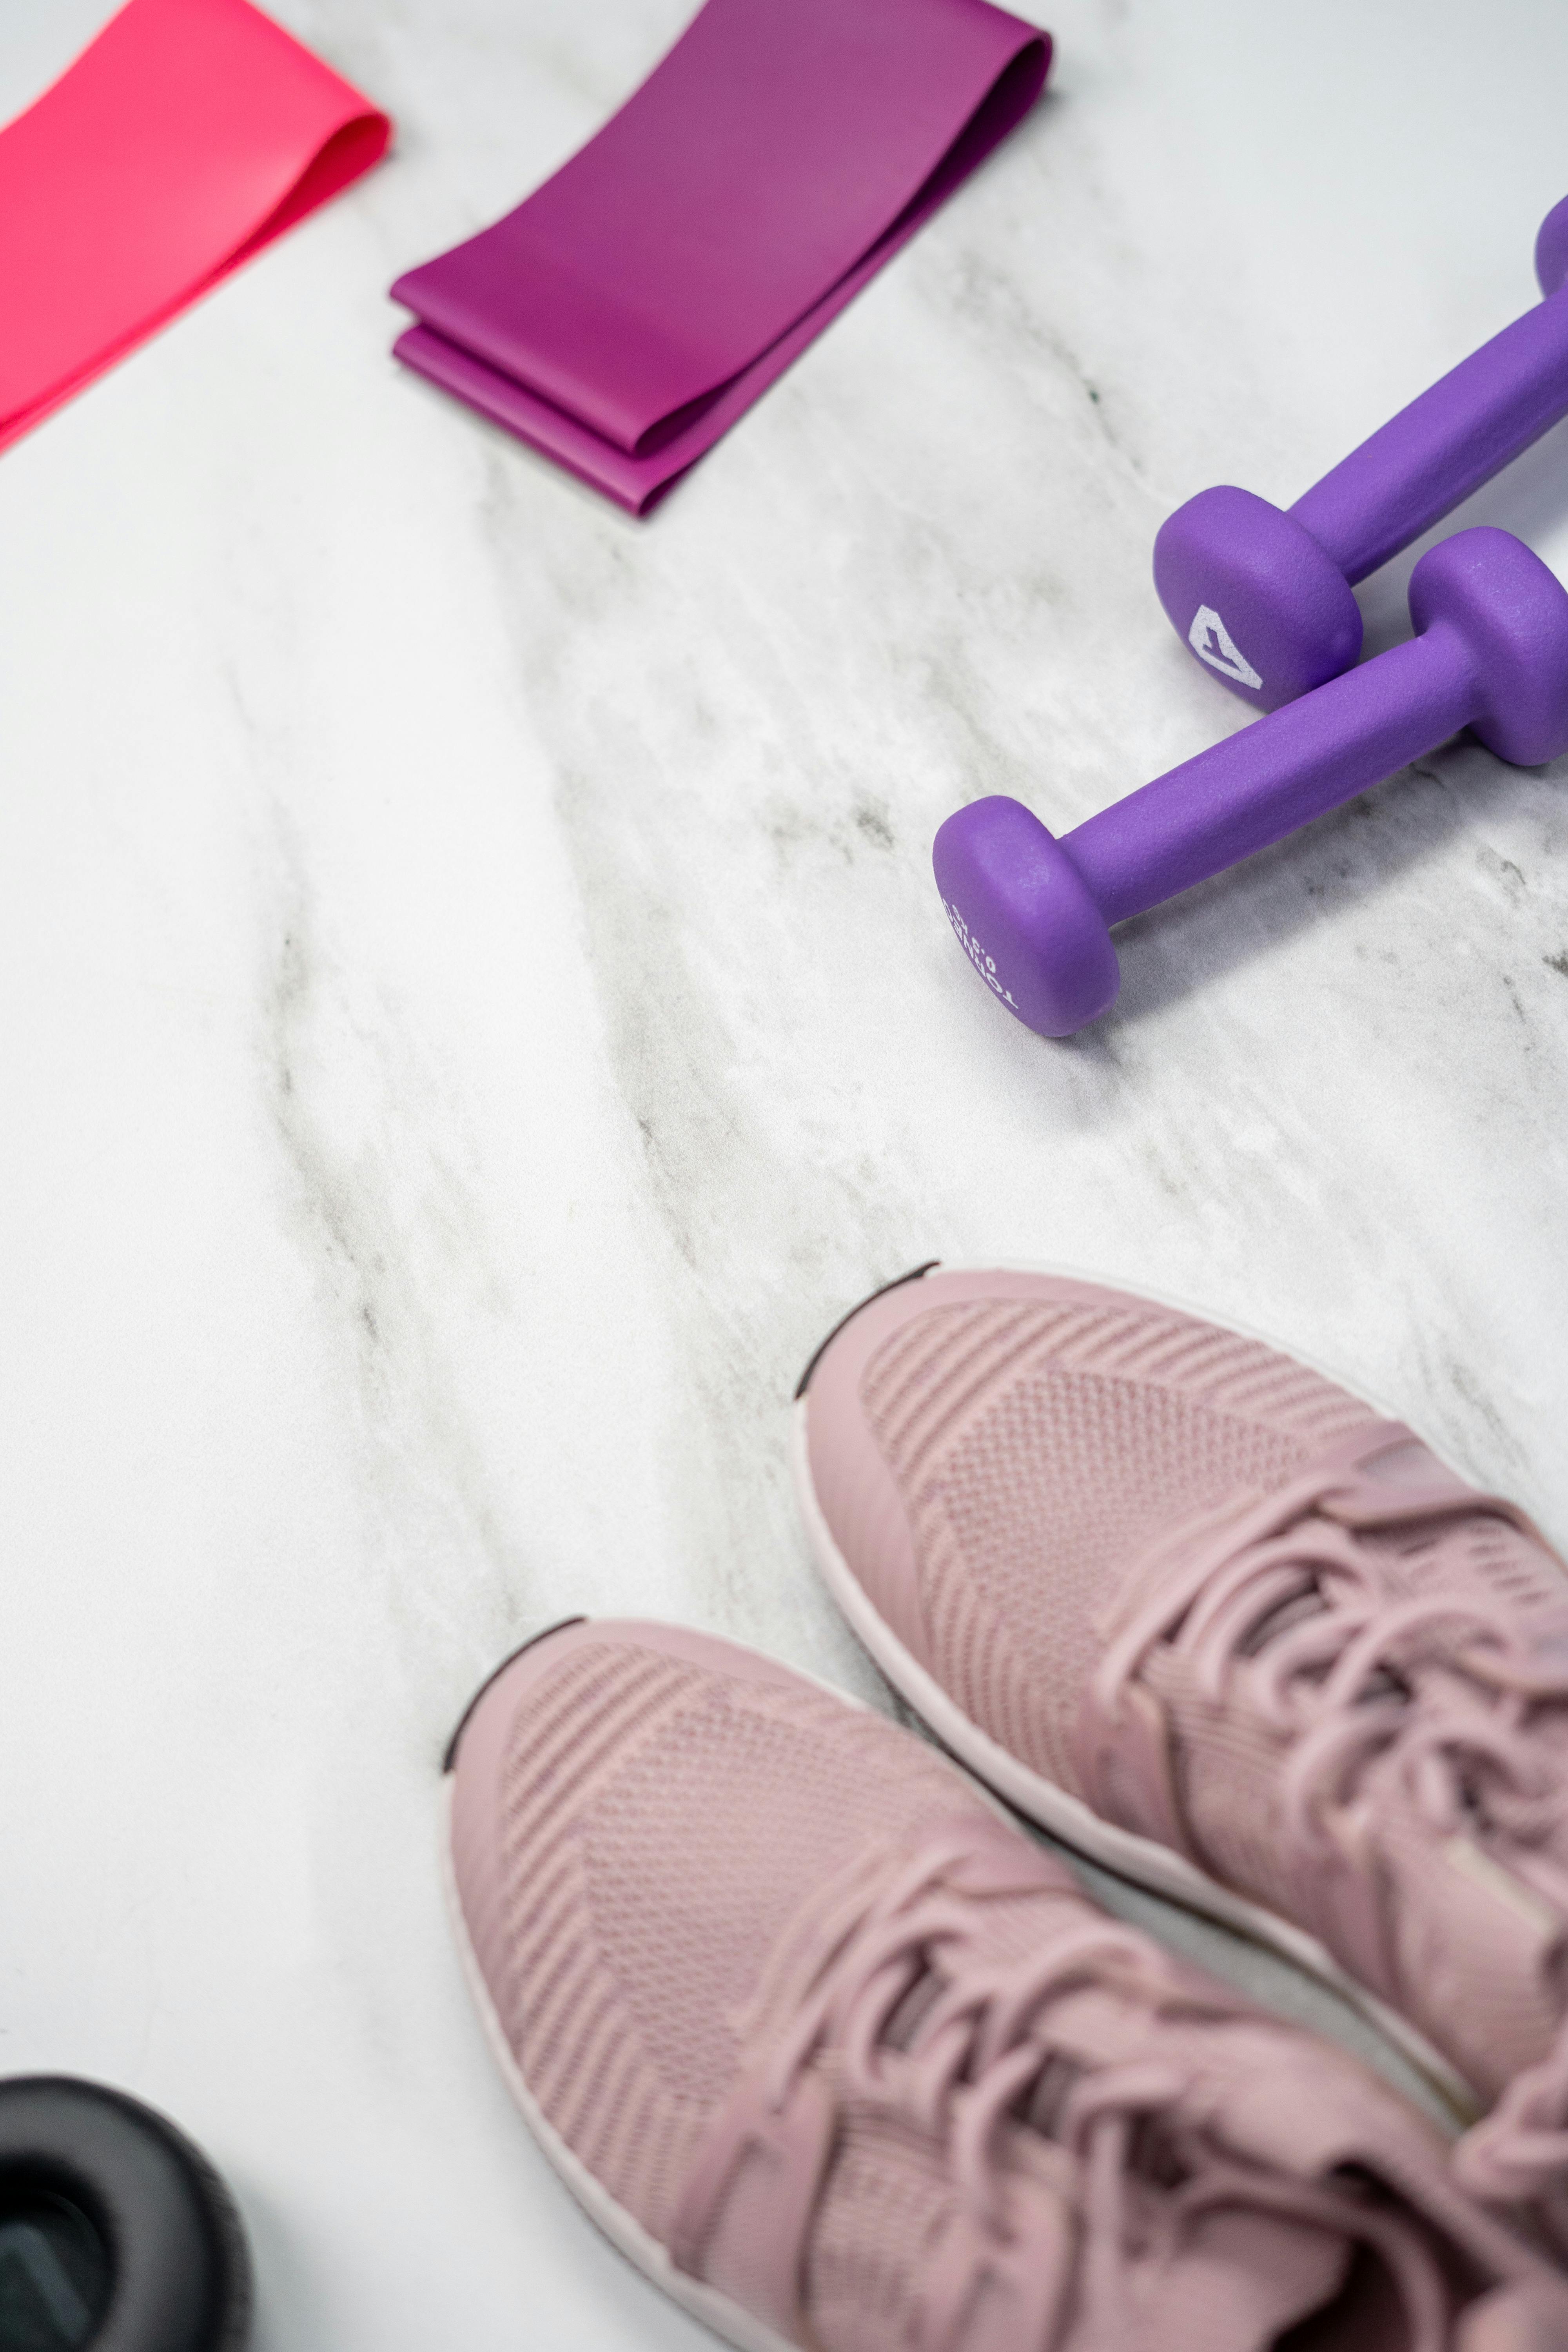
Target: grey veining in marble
[{"x": 475, "y": 1008}]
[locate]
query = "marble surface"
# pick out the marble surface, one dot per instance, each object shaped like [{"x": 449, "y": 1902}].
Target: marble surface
[{"x": 476, "y": 1010}]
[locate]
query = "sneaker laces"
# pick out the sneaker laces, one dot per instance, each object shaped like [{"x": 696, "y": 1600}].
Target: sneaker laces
[
  {"x": 916, "y": 2019},
  {"x": 1445, "y": 1693}
]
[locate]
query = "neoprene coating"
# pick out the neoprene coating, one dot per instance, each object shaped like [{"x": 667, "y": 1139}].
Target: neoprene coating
[
  {"x": 626, "y": 314},
  {"x": 1263, "y": 597},
  {"x": 176, "y": 2276},
  {"x": 183, "y": 139},
  {"x": 1034, "y": 914}
]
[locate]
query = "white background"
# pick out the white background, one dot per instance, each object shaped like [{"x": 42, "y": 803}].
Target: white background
[{"x": 474, "y": 1009}]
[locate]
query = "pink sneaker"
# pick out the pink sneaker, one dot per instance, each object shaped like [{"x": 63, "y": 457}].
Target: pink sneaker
[
  {"x": 842, "y": 2059},
  {"x": 1212, "y": 1620}
]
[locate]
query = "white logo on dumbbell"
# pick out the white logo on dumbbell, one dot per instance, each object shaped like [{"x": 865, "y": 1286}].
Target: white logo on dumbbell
[{"x": 1213, "y": 643}]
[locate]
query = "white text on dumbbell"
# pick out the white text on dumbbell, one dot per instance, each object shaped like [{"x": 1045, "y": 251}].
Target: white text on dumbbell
[{"x": 986, "y": 965}]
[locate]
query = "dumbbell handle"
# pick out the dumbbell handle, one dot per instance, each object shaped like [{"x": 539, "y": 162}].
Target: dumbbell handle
[
  {"x": 1418, "y": 467},
  {"x": 1268, "y": 779}
]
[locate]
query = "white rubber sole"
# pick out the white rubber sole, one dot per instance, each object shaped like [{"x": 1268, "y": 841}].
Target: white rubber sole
[
  {"x": 1067, "y": 1817},
  {"x": 625, "y": 2233}
]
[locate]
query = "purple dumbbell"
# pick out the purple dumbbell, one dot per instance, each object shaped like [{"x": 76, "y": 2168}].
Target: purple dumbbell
[
  {"x": 1264, "y": 597},
  {"x": 1034, "y": 914}
]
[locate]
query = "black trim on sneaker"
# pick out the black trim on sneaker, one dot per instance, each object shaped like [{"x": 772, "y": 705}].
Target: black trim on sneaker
[
  {"x": 560, "y": 1626},
  {"x": 897, "y": 1283}
]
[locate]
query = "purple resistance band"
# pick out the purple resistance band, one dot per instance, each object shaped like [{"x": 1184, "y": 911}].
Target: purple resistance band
[{"x": 626, "y": 314}]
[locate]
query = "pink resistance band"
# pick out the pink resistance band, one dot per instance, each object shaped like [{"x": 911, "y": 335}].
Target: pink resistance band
[
  {"x": 627, "y": 313},
  {"x": 185, "y": 139}
]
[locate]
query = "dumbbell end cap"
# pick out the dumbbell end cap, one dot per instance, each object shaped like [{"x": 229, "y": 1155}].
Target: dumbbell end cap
[
  {"x": 1511, "y": 616},
  {"x": 1260, "y": 604},
  {"x": 1551, "y": 249},
  {"x": 1022, "y": 914}
]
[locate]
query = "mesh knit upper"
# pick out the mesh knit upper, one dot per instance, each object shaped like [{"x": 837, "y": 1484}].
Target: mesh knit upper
[
  {"x": 1063, "y": 1457},
  {"x": 806, "y": 2022},
  {"x": 1039, "y": 1449},
  {"x": 639, "y": 1911}
]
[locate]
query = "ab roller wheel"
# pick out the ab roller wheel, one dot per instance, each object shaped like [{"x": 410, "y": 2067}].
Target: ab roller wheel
[{"x": 116, "y": 2234}]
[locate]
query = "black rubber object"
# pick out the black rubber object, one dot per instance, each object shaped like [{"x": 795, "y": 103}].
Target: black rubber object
[
  {"x": 116, "y": 2234},
  {"x": 450, "y": 1757},
  {"x": 929, "y": 1266}
]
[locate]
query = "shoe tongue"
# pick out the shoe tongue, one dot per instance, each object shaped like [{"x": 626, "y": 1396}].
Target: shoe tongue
[
  {"x": 1237, "y": 2283},
  {"x": 1383, "y": 1482},
  {"x": 1458, "y": 1538},
  {"x": 1241, "y": 2281},
  {"x": 890, "y": 2219},
  {"x": 887, "y": 2198},
  {"x": 911, "y": 2011}
]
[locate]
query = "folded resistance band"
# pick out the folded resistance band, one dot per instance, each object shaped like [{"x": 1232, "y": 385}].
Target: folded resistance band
[
  {"x": 624, "y": 316},
  {"x": 188, "y": 135}
]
